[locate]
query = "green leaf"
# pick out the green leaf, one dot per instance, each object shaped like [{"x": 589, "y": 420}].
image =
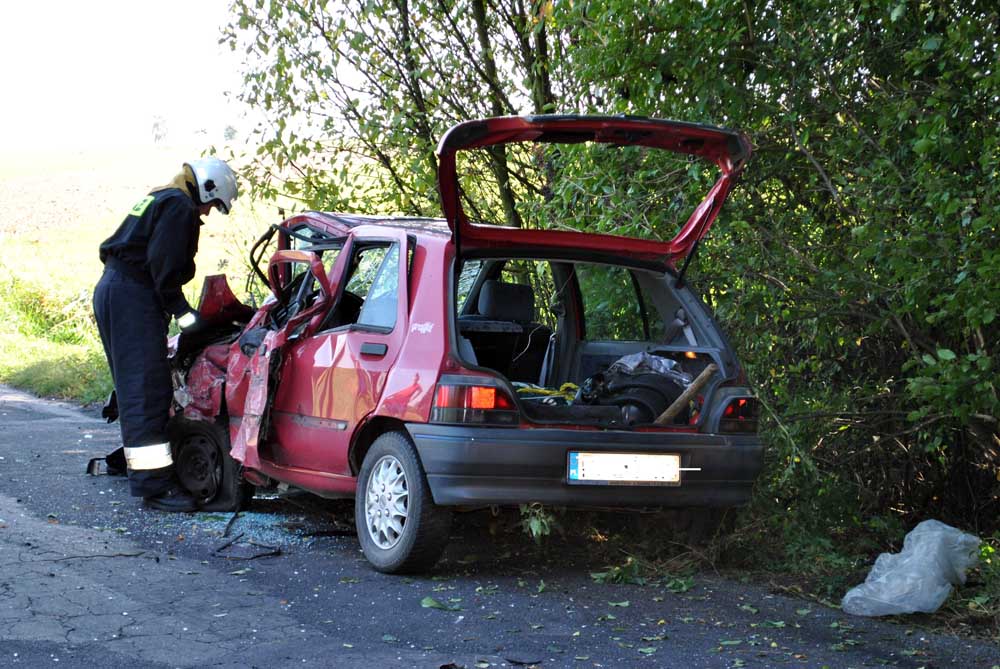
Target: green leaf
[
  {"x": 945, "y": 354},
  {"x": 622, "y": 604},
  {"x": 931, "y": 43},
  {"x": 647, "y": 651},
  {"x": 897, "y": 12},
  {"x": 431, "y": 603},
  {"x": 923, "y": 146}
]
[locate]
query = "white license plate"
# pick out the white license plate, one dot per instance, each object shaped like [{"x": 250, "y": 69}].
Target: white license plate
[{"x": 624, "y": 468}]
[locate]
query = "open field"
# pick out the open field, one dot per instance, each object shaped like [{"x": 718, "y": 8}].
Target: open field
[{"x": 55, "y": 209}]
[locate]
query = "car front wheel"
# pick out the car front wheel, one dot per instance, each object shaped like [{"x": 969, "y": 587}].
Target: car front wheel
[
  {"x": 204, "y": 466},
  {"x": 399, "y": 526}
]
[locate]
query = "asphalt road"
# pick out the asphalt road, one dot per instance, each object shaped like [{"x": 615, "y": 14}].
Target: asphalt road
[{"x": 89, "y": 578}]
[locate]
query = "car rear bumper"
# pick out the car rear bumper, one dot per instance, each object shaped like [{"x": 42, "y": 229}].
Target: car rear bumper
[{"x": 483, "y": 465}]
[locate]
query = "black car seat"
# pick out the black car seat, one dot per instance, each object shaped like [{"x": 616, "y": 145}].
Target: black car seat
[{"x": 504, "y": 334}]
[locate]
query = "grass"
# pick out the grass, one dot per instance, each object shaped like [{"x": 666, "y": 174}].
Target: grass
[{"x": 55, "y": 210}]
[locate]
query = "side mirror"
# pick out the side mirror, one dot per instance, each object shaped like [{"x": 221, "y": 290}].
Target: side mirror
[{"x": 308, "y": 258}]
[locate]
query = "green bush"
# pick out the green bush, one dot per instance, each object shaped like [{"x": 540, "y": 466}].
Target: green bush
[{"x": 50, "y": 346}]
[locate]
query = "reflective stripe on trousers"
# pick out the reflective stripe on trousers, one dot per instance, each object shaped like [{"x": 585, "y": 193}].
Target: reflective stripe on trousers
[{"x": 153, "y": 456}]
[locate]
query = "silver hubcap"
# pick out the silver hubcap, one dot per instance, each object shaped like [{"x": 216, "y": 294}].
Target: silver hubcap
[{"x": 386, "y": 502}]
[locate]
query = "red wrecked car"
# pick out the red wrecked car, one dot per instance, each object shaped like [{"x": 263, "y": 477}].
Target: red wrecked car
[{"x": 420, "y": 365}]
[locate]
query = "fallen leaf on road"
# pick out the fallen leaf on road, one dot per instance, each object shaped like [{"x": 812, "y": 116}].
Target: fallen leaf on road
[
  {"x": 622, "y": 604},
  {"x": 431, "y": 603},
  {"x": 679, "y": 584}
]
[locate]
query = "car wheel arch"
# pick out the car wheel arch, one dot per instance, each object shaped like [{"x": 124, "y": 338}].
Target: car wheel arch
[{"x": 366, "y": 435}]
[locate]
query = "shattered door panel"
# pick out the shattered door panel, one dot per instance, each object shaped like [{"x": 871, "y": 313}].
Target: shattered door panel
[
  {"x": 255, "y": 403},
  {"x": 263, "y": 369}
]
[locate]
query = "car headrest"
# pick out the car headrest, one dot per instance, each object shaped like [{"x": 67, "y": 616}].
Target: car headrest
[{"x": 507, "y": 301}]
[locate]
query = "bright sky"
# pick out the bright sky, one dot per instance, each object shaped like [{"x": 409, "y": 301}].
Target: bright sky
[{"x": 85, "y": 74}]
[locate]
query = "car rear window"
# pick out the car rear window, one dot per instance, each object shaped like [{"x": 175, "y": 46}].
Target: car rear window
[{"x": 629, "y": 191}]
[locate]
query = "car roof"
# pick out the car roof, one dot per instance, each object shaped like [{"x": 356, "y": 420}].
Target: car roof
[
  {"x": 338, "y": 224},
  {"x": 332, "y": 221}
]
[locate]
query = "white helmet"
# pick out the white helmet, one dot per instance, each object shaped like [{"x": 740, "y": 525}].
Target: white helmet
[{"x": 216, "y": 182}]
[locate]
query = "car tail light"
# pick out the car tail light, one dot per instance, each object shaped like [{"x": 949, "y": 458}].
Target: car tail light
[
  {"x": 470, "y": 402},
  {"x": 740, "y": 415}
]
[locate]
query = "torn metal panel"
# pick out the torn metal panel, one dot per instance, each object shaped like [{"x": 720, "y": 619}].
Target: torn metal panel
[
  {"x": 256, "y": 404},
  {"x": 218, "y": 303},
  {"x": 202, "y": 390}
]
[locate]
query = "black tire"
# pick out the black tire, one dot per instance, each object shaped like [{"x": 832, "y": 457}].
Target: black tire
[
  {"x": 201, "y": 459},
  {"x": 425, "y": 527}
]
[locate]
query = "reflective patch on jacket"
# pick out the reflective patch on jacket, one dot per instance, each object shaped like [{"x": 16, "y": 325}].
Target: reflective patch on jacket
[{"x": 141, "y": 206}]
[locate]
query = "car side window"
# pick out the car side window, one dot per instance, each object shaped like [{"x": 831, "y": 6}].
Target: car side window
[
  {"x": 611, "y": 306},
  {"x": 466, "y": 280},
  {"x": 376, "y": 282}
]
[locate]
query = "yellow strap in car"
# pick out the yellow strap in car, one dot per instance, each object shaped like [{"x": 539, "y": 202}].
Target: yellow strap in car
[{"x": 566, "y": 390}]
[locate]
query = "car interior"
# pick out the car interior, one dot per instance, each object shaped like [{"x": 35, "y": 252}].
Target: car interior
[{"x": 546, "y": 323}]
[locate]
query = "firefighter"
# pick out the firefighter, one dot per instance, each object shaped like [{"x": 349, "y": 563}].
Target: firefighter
[{"x": 146, "y": 261}]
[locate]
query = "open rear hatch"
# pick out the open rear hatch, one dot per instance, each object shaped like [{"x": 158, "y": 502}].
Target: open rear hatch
[{"x": 727, "y": 149}]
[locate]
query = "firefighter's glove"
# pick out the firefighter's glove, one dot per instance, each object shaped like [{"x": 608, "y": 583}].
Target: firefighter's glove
[{"x": 190, "y": 322}]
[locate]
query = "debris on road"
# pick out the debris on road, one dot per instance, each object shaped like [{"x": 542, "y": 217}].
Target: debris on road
[{"x": 935, "y": 556}]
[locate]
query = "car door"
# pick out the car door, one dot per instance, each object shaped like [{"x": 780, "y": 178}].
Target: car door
[
  {"x": 300, "y": 301},
  {"x": 332, "y": 380}
]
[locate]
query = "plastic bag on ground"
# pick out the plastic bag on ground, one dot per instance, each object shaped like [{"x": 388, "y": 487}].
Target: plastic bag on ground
[{"x": 935, "y": 557}]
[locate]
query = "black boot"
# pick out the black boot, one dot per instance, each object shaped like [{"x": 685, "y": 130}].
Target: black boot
[{"x": 174, "y": 499}]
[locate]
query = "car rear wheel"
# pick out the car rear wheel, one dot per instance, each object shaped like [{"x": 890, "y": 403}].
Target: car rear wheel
[
  {"x": 204, "y": 466},
  {"x": 399, "y": 526}
]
